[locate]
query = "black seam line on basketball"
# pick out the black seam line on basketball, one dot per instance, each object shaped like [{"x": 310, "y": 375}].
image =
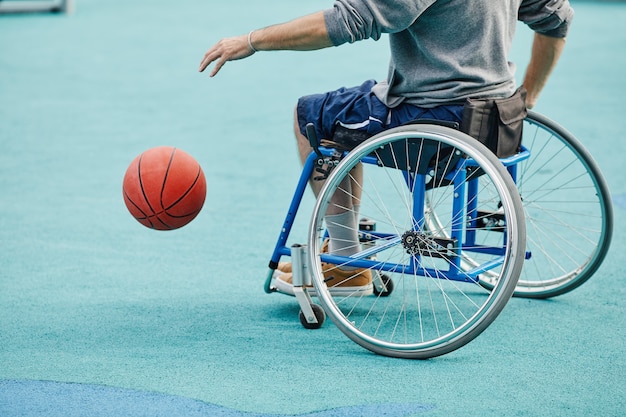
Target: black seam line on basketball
[
  {"x": 182, "y": 216},
  {"x": 136, "y": 206},
  {"x": 141, "y": 184},
  {"x": 185, "y": 193},
  {"x": 163, "y": 209},
  {"x": 163, "y": 223},
  {"x": 167, "y": 171},
  {"x": 146, "y": 216},
  {"x": 155, "y": 217}
]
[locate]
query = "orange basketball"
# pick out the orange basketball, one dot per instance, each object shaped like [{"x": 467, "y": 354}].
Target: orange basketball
[{"x": 164, "y": 188}]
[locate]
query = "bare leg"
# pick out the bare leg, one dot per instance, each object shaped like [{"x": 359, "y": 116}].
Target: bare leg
[
  {"x": 342, "y": 200},
  {"x": 340, "y": 217},
  {"x": 356, "y": 179}
]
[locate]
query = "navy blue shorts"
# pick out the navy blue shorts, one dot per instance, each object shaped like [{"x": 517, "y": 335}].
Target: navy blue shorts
[{"x": 358, "y": 109}]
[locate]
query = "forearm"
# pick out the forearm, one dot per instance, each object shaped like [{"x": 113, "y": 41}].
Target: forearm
[
  {"x": 303, "y": 34},
  {"x": 544, "y": 57}
]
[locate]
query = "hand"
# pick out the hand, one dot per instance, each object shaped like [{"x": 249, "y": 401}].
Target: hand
[{"x": 228, "y": 49}]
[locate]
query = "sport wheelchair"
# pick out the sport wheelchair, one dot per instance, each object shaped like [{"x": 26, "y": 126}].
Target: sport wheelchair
[{"x": 449, "y": 232}]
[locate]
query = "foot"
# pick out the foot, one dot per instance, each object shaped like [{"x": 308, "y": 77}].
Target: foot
[
  {"x": 357, "y": 282},
  {"x": 284, "y": 267}
]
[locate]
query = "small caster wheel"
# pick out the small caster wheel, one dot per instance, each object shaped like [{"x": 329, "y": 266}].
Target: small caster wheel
[
  {"x": 386, "y": 288},
  {"x": 320, "y": 316}
]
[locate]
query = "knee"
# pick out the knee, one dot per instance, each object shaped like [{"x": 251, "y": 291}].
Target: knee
[
  {"x": 296, "y": 127},
  {"x": 296, "y": 122}
]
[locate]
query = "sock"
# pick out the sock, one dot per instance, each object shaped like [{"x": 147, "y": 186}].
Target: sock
[
  {"x": 355, "y": 210},
  {"x": 344, "y": 234}
]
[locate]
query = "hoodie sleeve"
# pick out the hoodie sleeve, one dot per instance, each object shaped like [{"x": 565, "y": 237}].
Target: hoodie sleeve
[
  {"x": 349, "y": 21},
  {"x": 548, "y": 17}
]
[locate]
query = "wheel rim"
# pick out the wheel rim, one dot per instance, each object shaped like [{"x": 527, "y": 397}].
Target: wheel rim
[
  {"x": 567, "y": 209},
  {"x": 342, "y": 310}
]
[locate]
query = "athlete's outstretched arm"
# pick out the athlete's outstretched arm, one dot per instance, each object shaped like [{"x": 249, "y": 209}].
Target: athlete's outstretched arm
[{"x": 302, "y": 34}]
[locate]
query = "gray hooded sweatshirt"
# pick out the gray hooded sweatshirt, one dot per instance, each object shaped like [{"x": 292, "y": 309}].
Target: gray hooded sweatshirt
[{"x": 444, "y": 51}]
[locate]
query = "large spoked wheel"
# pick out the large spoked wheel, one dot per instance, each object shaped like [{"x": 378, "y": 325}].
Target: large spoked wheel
[
  {"x": 436, "y": 305},
  {"x": 568, "y": 210},
  {"x": 569, "y": 214}
]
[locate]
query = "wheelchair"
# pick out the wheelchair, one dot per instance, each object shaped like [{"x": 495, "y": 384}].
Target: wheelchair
[{"x": 449, "y": 233}]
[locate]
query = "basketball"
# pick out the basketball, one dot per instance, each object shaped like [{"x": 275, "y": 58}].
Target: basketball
[{"x": 164, "y": 188}]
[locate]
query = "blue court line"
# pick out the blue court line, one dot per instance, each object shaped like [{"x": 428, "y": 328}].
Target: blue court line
[{"x": 62, "y": 399}]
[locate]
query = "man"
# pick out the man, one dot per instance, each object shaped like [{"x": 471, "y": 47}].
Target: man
[{"x": 442, "y": 52}]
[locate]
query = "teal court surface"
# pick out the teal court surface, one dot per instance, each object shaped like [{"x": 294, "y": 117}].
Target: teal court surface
[{"x": 100, "y": 316}]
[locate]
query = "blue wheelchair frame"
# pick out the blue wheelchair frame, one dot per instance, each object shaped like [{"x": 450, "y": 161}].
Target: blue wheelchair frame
[{"x": 465, "y": 201}]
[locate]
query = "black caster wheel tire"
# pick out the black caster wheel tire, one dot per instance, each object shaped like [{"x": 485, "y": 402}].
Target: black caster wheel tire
[
  {"x": 319, "y": 315},
  {"x": 388, "y": 287}
]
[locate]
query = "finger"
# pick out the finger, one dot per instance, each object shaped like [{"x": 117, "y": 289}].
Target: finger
[
  {"x": 218, "y": 66},
  {"x": 206, "y": 61},
  {"x": 210, "y": 56}
]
